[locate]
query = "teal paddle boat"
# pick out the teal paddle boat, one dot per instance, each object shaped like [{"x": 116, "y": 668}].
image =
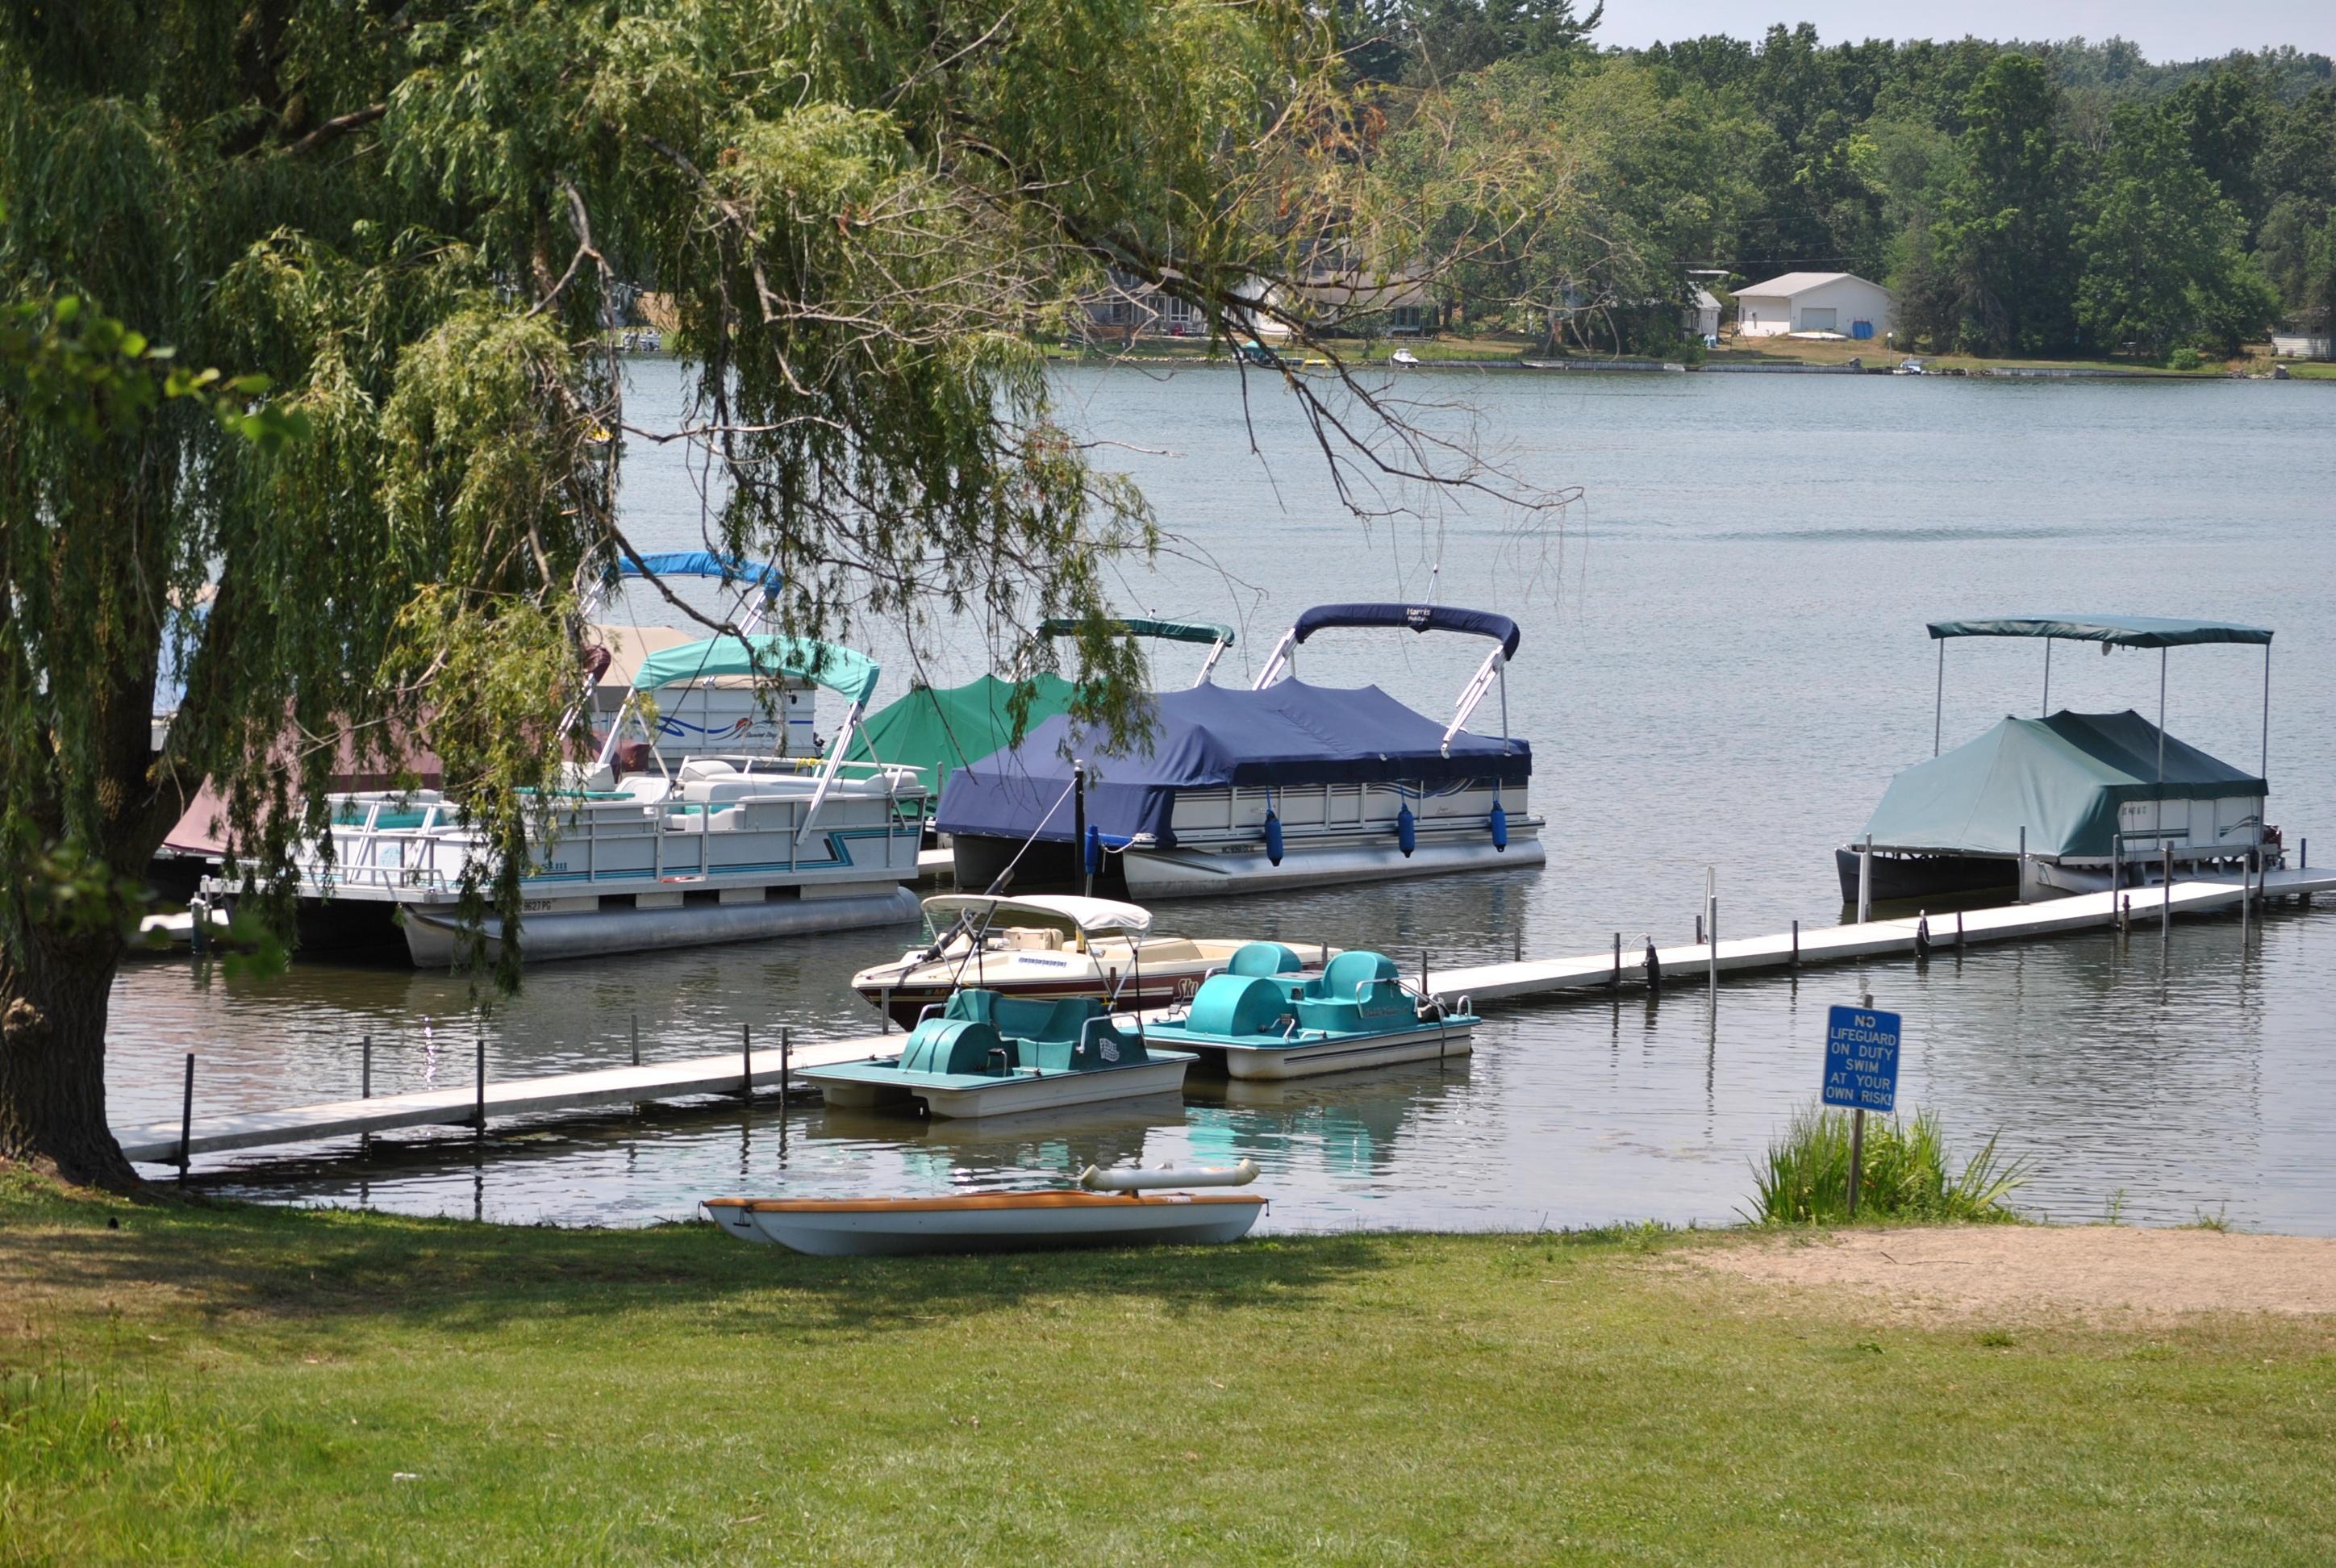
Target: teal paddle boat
[
  {"x": 1258, "y": 1020},
  {"x": 988, "y": 1055}
]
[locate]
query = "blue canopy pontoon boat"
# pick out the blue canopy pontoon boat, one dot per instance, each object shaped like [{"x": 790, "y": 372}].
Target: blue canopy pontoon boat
[
  {"x": 1282, "y": 785},
  {"x": 2065, "y": 802}
]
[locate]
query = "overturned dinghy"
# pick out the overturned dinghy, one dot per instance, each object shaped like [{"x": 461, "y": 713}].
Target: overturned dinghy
[
  {"x": 2068, "y": 802},
  {"x": 1284, "y": 784},
  {"x": 1115, "y": 1209}
]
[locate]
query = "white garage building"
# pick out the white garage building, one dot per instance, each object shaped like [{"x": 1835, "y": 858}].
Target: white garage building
[{"x": 1839, "y": 302}]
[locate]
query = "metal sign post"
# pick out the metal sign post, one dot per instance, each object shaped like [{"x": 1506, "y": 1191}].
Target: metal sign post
[{"x": 1860, "y": 1073}]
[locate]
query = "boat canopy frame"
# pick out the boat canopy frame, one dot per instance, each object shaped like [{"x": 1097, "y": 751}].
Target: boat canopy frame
[
  {"x": 1213, "y": 635},
  {"x": 848, "y": 672},
  {"x": 1415, "y": 618},
  {"x": 2163, "y": 633}
]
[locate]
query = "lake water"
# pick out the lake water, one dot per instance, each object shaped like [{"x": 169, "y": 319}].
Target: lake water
[{"x": 1723, "y": 663}]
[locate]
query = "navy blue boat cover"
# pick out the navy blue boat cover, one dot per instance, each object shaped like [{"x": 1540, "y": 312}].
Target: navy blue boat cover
[
  {"x": 1208, "y": 737},
  {"x": 1417, "y": 617}
]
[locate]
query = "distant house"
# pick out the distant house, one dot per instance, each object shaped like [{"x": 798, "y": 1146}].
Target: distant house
[
  {"x": 1701, "y": 319},
  {"x": 1127, "y": 306},
  {"x": 2304, "y": 337},
  {"x": 1838, "y": 302}
]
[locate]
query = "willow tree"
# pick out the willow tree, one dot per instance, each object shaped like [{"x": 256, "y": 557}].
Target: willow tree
[{"x": 421, "y": 221}]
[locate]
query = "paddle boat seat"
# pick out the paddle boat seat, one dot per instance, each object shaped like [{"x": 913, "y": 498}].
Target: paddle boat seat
[
  {"x": 1356, "y": 993},
  {"x": 1263, "y": 958},
  {"x": 983, "y": 1033}
]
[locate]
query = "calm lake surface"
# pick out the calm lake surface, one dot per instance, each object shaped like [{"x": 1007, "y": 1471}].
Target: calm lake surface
[{"x": 1724, "y": 661}]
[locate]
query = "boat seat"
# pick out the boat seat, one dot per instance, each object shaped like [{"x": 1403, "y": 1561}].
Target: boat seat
[
  {"x": 1034, "y": 939},
  {"x": 1263, "y": 958},
  {"x": 1350, "y": 971},
  {"x": 700, "y": 768},
  {"x": 956, "y": 1046},
  {"x": 1238, "y": 1005}
]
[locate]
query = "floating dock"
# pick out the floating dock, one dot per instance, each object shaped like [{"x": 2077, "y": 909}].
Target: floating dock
[
  {"x": 739, "y": 1071},
  {"x": 1692, "y": 964}
]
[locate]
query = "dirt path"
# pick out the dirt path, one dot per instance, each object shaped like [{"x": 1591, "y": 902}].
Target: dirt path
[{"x": 2028, "y": 1271}]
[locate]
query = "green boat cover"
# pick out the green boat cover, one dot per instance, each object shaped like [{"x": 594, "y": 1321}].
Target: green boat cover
[
  {"x": 2123, "y": 630},
  {"x": 2062, "y": 778},
  {"x": 1200, "y": 631},
  {"x": 839, "y": 669},
  {"x": 942, "y": 728}
]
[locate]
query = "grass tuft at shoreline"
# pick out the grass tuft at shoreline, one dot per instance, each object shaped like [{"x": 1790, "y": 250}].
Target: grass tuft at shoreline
[{"x": 223, "y": 1382}]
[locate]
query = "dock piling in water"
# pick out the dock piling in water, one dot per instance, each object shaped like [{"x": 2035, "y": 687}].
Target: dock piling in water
[
  {"x": 479, "y": 1106},
  {"x": 365, "y": 1074},
  {"x": 187, "y": 1118},
  {"x": 636, "y": 1040}
]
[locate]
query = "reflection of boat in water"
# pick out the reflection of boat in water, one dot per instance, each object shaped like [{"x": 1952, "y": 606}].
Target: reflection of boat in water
[
  {"x": 1049, "y": 946},
  {"x": 987, "y": 1055},
  {"x": 2065, "y": 802},
  {"x": 1258, "y": 1021},
  {"x": 1284, "y": 784}
]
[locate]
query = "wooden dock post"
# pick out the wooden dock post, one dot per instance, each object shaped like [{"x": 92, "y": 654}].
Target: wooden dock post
[
  {"x": 187, "y": 1118},
  {"x": 479, "y": 1104},
  {"x": 786, "y": 1043},
  {"x": 1958, "y": 931},
  {"x": 636, "y": 1040},
  {"x": 1615, "y": 982},
  {"x": 2020, "y": 888},
  {"x": 1711, "y": 921},
  {"x": 364, "y": 1074},
  {"x": 1865, "y": 882},
  {"x": 2246, "y": 896},
  {"x": 1794, "y": 961},
  {"x": 746, "y": 1061},
  {"x": 2166, "y": 903}
]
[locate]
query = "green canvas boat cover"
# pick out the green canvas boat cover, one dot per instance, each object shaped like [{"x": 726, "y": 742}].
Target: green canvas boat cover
[
  {"x": 1200, "y": 631},
  {"x": 943, "y": 728},
  {"x": 2121, "y": 630},
  {"x": 839, "y": 669},
  {"x": 2062, "y": 778}
]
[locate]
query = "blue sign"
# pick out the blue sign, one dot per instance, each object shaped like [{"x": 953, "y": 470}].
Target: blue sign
[{"x": 1862, "y": 1059}]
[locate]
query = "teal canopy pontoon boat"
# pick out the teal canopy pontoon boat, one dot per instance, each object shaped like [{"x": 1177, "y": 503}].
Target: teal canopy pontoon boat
[
  {"x": 942, "y": 729},
  {"x": 2066, "y": 801},
  {"x": 987, "y": 1055},
  {"x": 1258, "y": 1020}
]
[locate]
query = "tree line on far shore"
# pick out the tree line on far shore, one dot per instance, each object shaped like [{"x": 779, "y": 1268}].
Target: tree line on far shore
[{"x": 2031, "y": 199}]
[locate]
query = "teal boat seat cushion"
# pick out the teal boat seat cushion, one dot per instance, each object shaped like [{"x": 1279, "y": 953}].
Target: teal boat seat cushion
[
  {"x": 1349, "y": 972},
  {"x": 1238, "y": 1005},
  {"x": 1039, "y": 1032},
  {"x": 955, "y": 1046},
  {"x": 1264, "y": 958}
]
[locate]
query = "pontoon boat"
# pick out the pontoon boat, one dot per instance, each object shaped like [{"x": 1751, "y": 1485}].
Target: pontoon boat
[
  {"x": 1281, "y": 785},
  {"x": 2065, "y": 802}
]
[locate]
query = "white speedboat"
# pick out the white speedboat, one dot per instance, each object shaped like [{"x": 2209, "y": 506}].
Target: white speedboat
[
  {"x": 1049, "y": 947},
  {"x": 1403, "y": 356},
  {"x": 1113, "y": 1209}
]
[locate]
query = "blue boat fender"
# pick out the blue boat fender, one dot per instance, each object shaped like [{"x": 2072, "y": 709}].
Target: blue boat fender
[
  {"x": 1094, "y": 850},
  {"x": 1406, "y": 831},
  {"x": 1500, "y": 828},
  {"x": 1272, "y": 839}
]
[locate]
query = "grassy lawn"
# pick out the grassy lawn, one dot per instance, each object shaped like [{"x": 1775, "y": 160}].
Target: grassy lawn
[{"x": 239, "y": 1384}]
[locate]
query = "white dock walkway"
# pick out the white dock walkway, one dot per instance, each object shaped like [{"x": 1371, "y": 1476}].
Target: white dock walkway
[
  {"x": 727, "y": 1073},
  {"x": 1690, "y": 964},
  {"x": 158, "y": 1142}
]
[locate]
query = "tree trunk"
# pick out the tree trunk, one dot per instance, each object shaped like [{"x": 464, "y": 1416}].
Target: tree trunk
[{"x": 54, "y": 994}]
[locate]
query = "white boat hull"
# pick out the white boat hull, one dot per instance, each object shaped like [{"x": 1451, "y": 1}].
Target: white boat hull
[
  {"x": 433, "y": 935},
  {"x": 1201, "y": 873},
  {"x": 1005, "y": 1221},
  {"x": 1346, "y": 1055},
  {"x": 1164, "y": 1074}
]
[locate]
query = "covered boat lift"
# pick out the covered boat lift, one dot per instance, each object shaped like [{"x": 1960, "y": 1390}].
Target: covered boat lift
[{"x": 2061, "y": 803}]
